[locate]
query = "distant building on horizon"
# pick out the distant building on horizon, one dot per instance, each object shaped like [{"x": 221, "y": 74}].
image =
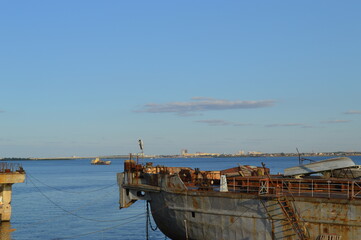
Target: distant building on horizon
[
  {"x": 241, "y": 152},
  {"x": 254, "y": 153},
  {"x": 184, "y": 152}
]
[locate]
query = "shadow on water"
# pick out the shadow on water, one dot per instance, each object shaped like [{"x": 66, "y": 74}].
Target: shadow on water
[{"x": 6, "y": 230}]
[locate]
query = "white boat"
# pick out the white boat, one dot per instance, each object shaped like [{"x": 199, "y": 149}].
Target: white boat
[{"x": 97, "y": 161}]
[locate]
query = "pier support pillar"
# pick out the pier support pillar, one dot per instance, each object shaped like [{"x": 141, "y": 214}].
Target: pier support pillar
[{"x": 5, "y": 201}]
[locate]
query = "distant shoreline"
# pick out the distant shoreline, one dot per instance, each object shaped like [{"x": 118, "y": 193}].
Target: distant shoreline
[
  {"x": 332, "y": 154},
  {"x": 59, "y": 158}
]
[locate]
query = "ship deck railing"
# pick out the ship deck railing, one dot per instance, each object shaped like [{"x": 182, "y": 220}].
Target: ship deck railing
[{"x": 275, "y": 187}]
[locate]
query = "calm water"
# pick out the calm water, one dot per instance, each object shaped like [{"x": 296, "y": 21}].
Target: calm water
[{"x": 75, "y": 200}]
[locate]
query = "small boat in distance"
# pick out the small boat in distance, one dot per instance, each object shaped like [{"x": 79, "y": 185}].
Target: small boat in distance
[{"x": 97, "y": 161}]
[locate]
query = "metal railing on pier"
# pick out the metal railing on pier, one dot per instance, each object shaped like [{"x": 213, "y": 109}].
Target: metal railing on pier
[{"x": 6, "y": 167}]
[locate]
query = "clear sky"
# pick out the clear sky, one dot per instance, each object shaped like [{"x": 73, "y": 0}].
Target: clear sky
[{"x": 89, "y": 78}]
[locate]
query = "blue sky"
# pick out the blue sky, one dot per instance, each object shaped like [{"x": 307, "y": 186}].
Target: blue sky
[{"x": 89, "y": 78}]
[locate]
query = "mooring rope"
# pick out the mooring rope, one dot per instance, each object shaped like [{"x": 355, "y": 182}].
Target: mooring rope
[
  {"x": 67, "y": 211},
  {"x": 114, "y": 226},
  {"x": 61, "y": 190},
  {"x": 128, "y": 219},
  {"x": 149, "y": 220},
  {"x": 74, "y": 210}
]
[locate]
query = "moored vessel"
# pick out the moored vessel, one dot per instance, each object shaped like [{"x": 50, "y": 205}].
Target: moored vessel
[
  {"x": 97, "y": 161},
  {"x": 246, "y": 202}
]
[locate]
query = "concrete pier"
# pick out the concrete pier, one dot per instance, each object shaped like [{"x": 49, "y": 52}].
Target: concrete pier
[{"x": 9, "y": 174}]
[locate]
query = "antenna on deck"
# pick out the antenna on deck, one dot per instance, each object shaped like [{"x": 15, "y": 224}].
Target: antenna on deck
[
  {"x": 299, "y": 157},
  {"x": 140, "y": 142},
  {"x": 301, "y": 160}
]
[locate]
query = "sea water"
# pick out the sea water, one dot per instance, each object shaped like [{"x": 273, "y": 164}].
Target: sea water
[{"x": 71, "y": 199}]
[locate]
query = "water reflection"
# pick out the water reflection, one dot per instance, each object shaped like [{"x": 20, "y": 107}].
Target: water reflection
[{"x": 6, "y": 230}]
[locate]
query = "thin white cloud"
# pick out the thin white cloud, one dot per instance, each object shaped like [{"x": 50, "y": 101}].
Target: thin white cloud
[
  {"x": 216, "y": 122},
  {"x": 202, "y": 104},
  {"x": 203, "y": 98},
  {"x": 335, "y": 121},
  {"x": 288, "y": 125},
  {"x": 353, "y": 112},
  {"x": 5, "y": 140}
]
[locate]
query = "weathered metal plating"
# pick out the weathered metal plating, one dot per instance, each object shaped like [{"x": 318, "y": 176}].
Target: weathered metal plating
[{"x": 188, "y": 204}]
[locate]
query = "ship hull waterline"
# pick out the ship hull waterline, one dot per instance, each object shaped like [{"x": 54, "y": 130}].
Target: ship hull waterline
[
  {"x": 194, "y": 205},
  {"x": 240, "y": 216}
]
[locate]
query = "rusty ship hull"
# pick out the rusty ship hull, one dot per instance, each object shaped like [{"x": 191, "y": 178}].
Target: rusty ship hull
[{"x": 188, "y": 204}]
